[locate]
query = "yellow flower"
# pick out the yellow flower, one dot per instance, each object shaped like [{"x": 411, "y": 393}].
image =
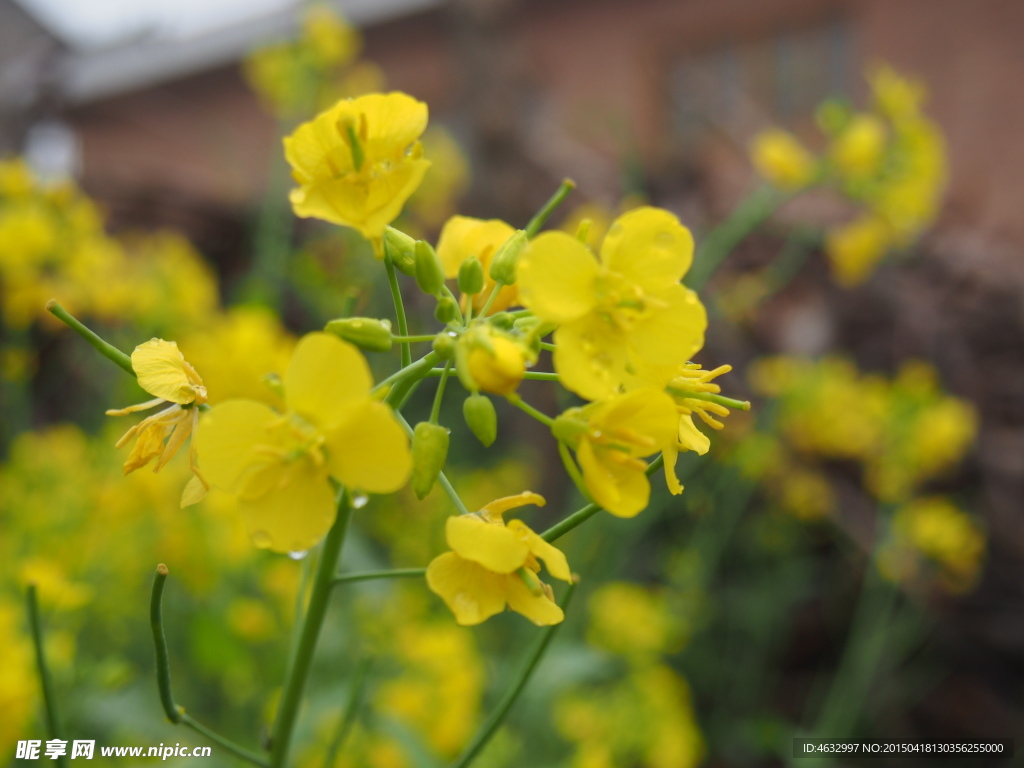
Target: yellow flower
[
  {"x": 462, "y": 238},
  {"x": 610, "y": 439},
  {"x": 898, "y": 98},
  {"x": 359, "y": 161},
  {"x": 492, "y": 564},
  {"x": 491, "y": 360},
  {"x": 939, "y": 530},
  {"x": 859, "y": 150},
  {"x": 331, "y": 41},
  {"x": 627, "y": 309},
  {"x": 855, "y": 249},
  {"x": 279, "y": 465},
  {"x": 781, "y": 159},
  {"x": 162, "y": 371}
]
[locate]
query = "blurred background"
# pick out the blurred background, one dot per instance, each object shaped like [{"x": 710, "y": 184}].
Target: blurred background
[{"x": 846, "y": 561}]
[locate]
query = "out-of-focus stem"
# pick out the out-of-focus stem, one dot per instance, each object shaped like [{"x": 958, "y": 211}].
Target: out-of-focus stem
[
  {"x": 539, "y": 219},
  {"x": 45, "y": 682},
  {"x": 106, "y": 349}
]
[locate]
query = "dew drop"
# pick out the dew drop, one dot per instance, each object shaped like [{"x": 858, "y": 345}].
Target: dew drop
[
  {"x": 298, "y": 555},
  {"x": 261, "y": 539},
  {"x": 359, "y": 501}
]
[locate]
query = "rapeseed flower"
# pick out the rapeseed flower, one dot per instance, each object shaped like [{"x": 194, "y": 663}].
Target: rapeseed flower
[
  {"x": 162, "y": 370},
  {"x": 463, "y": 238},
  {"x": 279, "y": 464},
  {"x": 493, "y": 564},
  {"x": 358, "y": 162},
  {"x": 618, "y": 312},
  {"x": 610, "y": 439},
  {"x": 781, "y": 159}
]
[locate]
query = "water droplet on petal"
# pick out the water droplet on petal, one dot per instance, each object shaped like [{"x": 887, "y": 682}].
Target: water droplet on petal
[
  {"x": 298, "y": 555},
  {"x": 360, "y": 500},
  {"x": 261, "y": 539}
]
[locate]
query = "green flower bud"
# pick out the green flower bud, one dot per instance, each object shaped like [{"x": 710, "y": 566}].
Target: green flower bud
[
  {"x": 503, "y": 265},
  {"x": 471, "y": 276},
  {"x": 832, "y": 116},
  {"x": 503, "y": 320},
  {"x": 429, "y": 451},
  {"x": 444, "y": 344},
  {"x": 478, "y": 411},
  {"x": 365, "y": 332},
  {"x": 446, "y": 310},
  {"x": 401, "y": 249},
  {"x": 429, "y": 272}
]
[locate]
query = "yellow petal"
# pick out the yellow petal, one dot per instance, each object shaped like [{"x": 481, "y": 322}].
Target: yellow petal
[
  {"x": 473, "y": 593},
  {"x": 463, "y": 237},
  {"x": 591, "y": 357},
  {"x": 671, "y": 336},
  {"x": 555, "y": 277},
  {"x": 646, "y": 413},
  {"x": 194, "y": 492},
  {"x": 369, "y": 451},
  {"x": 671, "y": 479},
  {"x": 325, "y": 379},
  {"x": 649, "y": 247},
  {"x": 150, "y": 442},
  {"x": 553, "y": 557},
  {"x": 229, "y": 436},
  {"x": 493, "y": 510},
  {"x": 393, "y": 121},
  {"x": 292, "y": 514},
  {"x": 161, "y": 370},
  {"x": 691, "y": 438},
  {"x": 495, "y": 547},
  {"x": 620, "y": 489},
  {"x": 538, "y": 608}
]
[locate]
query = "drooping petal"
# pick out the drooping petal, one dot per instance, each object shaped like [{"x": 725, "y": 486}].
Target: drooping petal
[
  {"x": 161, "y": 371},
  {"x": 150, "y": 442},
  {"x": 671, "y": 336},
  {"x": 230, "y": 435},
  {"x": 671, "y": 478},
  {"x": 473, "y": 593},
  {"x": 495, "y": 547},
  {"x": 538, "y": 608},
  {"x": 493, "y": 510},
  {"x": 621, "y": 489},
  {"x": 591, "y": 357},
  {"x": 692, "y": 438},
  {"x": 195, "y": 491},
  {"x": 325, "y": 379},
  {"x": 555, "y": 277},
  {"x": 292, "y": 513},
  {"x": 553, "y": 557},
  {"x": 369, "y": 451},
  {"x": 649, "y": 247},
  {"x": 181, "y": 433}
]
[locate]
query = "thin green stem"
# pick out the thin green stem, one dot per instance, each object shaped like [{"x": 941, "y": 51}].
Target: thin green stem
[
  {"x": 539, "y": 219},
  {"x": 448, "y": 292},
  {"x": 396, "y": 296},
  {"x": 109, "y": 351},
  {"x": 723, "y": 239},
  {"x": 302, "y": 661},
  {"x": 174, "y": 713},
  {"x": 522, "y": 405},
  {"x": 548, "y": 346},
  {"x": 710, "y": 397},
  {"x": 413, "y": 339},
  {"x": 584, "y": 513},
  {"x": 490, "y": 299},
  {"x": 497, "y": 716},
  {"x": 46, "y": 683},
  {"x": 394, "y": 573},
  {"x": 352, "y": 705},
  {"x": 435, "y": 410},
  {"x": 401, "y": 381},
  {"x": 536, "y": 375},
  {"x": 442, "y": 479},
  {"x": 572, "y": 469}
]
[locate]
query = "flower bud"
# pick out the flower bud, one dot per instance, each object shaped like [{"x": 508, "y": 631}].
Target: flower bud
[
  {"x": 503, "y": 320},
  {"x": 490, "y": 360},
  {"x": 446, "y": 310},
  {"x": 503, "y": 265},
  {"x": 429, "y": 272},
  {"x": 444, "y": 344},
  {"x": 429, "y": 451},
  {"x": 365, "y": 332},
  {"x": 478, "y": 411},
  {"x": 471, "y": 276},
  {"x": 401, "y": 249}
]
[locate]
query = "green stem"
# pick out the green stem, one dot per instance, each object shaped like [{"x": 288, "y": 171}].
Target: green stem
[
  {"x": 723, "y": 239},
  {"x": 45, "y": 682},
  {"x": 413, "y": 339},
  {"x": 536, "y": 375},
  {"x": 583, "y": 514},
  {"x": 488, "y": 729},
  {"x": 711, "y": 397},
  {"x": 435, "y": 410},
  {"x": 567, "y": 186},
  {"x": 396, "y": 296},
  {"x": 448, "y": 292},
  {"x": 498, "y": 285},
  {"x": 109, "y": 351},
  {"x": 400, "y": 381},
  {"x": 175, "y": 713},
  {"x": 442, "y": 479},
  {"x": 522, "y": 405},
  {"x": 355, "y": 700},
  {"x": 548, "y": 346},
  {"x": 395, "y": 573},
  {"x": 301, "y": 663}
]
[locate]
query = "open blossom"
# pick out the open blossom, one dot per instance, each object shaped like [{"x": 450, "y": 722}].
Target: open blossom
[
  {"x": 493, "y": 564},
  {"x": 610, "y": 439},
  {"x": 359, "y": 161},
  {"x": 162, "y": 370},
  {"x": 462, "y": 238},
  {"x": 781, "y": 159},
  {"x": 620, "y": 311},
  {"x": 279, "y": 464}
]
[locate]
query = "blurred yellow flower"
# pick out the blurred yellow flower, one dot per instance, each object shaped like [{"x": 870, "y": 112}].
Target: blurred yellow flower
[
  {"x": 358, "y": 162},
  {"x": 462, "y": 238},
  {"x": 936, "y": 528},
  {"x": 492, "y": 564},
  {"x": 633, "y": 620},
  {"x": 624, "y": 310},
  {"x": 162, "y": 370},
  {"x": 855, "y": 249},
  {"x": 859, "y": 149},
  {"x": 279, "y": 465},
  {"x": 782, "y": 160}
]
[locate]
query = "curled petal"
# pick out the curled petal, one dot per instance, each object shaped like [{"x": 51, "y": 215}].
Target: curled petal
[
  {"x": 473, "y": 593},
  {"x": 538, "y": 608},
  {"x": 553, "y": 557},
  {"x": 495, "y": 547},
  {"x": 162, "y": 371}
]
